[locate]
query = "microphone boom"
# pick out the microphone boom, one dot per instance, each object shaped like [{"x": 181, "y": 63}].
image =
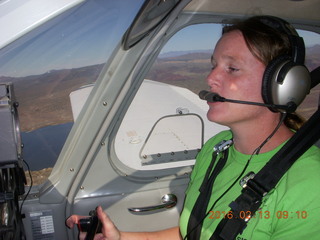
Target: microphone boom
[{"x": 214, "y": 97}]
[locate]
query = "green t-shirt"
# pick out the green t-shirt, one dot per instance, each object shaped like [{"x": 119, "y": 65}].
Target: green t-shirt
[{"x": 290, "y": 211}]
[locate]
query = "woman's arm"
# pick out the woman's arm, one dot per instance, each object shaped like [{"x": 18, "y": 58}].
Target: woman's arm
[
  {"x": 171, "y": 233},
  {"x": 110, "y": 231}
]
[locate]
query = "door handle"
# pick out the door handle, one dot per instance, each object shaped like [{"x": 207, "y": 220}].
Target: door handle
[{"x": 168, "y": 201}]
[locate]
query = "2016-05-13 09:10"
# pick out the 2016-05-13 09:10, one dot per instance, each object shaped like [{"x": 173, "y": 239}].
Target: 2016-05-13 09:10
[{"x": 258, "y": 214}]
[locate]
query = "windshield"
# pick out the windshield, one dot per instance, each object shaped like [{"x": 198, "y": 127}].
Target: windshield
[{"x": 54, "y": 60}]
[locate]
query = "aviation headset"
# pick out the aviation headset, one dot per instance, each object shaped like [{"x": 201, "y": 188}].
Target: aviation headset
[{"x": 286, "y": 81}]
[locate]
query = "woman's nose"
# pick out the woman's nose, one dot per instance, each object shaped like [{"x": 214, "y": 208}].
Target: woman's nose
[{"x": 213, "y": 79}]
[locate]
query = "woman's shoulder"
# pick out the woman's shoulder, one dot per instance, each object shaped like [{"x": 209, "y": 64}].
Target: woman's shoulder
[
  {"x": 303, "y": 176},
  {"x": 309, "y": 163}
]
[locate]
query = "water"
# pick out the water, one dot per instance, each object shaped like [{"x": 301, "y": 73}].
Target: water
[{"x": 43, "y": 146}]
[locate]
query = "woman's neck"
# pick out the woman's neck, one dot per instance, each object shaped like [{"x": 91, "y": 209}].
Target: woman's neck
[{"x": 247, "y": 141}]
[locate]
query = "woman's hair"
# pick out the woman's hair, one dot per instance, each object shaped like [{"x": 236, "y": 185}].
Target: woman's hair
[{"x": 265, "y": 43}]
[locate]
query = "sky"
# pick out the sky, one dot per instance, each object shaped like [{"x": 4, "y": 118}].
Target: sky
[{"x": 200, "y": 36}]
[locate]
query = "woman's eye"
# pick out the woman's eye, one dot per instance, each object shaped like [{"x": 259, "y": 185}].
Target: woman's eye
[
  {"x": 213, "y": 66},
  {"x": 232, "y": 69}
]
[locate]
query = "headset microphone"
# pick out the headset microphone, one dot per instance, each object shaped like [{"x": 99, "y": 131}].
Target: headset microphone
[{"x": 214, "y": 97}]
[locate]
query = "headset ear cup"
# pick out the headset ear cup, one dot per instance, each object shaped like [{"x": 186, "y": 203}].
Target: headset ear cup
[
  {"x": 268, "y": 77},
  {"x": 285, "y": 83}
]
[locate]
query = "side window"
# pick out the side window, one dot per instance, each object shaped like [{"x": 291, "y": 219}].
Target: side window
[
  {"x": 166, "y": 123},
  {"x": 153, "y": 134},
  {"x": 312, "y": 43}
]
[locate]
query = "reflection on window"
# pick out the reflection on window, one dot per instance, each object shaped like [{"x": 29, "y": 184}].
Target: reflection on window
[{"x": 51, "y": 62}]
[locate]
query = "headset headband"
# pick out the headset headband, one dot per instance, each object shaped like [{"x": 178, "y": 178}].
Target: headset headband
[{"x": 296, "y": 42}]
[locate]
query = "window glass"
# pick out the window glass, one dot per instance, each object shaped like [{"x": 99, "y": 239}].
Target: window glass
[
  {"x": 185, "y": 60},
  {"x": 312, "y": 43},
  {"x": 50, "y": 63}
]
